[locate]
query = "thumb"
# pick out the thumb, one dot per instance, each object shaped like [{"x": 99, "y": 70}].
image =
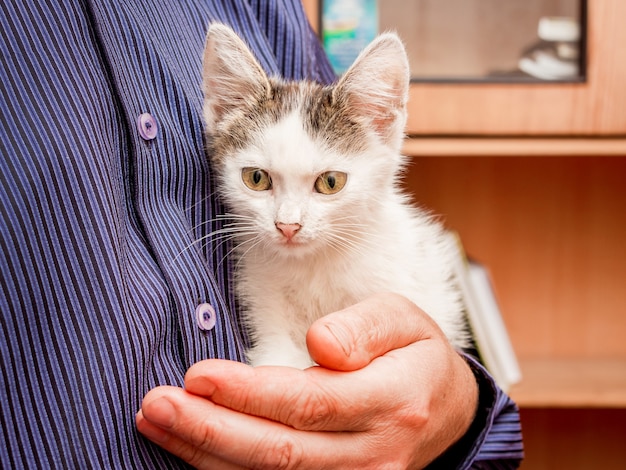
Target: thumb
[{"x": 351, "y": 338}]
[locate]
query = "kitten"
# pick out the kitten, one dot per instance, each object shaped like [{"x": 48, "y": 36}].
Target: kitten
[{"x": 310, "y": 177}]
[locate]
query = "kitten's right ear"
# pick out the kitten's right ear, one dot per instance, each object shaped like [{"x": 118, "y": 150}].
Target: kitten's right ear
[
  {"x": 376, "y": 88},
  {"x": 232, "y": 77}
]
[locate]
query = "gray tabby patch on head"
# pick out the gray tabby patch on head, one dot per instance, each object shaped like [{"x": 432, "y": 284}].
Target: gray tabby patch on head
[{"x": 241, "y": 100}]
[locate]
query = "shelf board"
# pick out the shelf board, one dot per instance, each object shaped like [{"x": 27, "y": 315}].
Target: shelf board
[
  {"x": 519, "y": 146},
  {"x": 571, "y": 383}
]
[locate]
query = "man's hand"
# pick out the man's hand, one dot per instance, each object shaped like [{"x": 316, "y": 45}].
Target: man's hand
[{"x": 390, "y": 392}]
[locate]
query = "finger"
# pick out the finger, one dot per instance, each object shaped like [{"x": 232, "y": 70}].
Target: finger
[
  {"x": 189, "y": 427},
  {"x": 182, "y": 449},
  {"x": 316, "y": 399},
  {"x": 350, "y": 339},
  {"x": 286, "y": 395},
  {"x": 209, "y": 436}
]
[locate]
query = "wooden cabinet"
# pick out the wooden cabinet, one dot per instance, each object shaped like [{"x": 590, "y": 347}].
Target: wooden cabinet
[
  {"x": 596, "y": 107},
  {"x": 533, "y": 177}
]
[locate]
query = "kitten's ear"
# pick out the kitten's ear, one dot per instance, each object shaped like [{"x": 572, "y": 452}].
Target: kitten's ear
[
  {"x": 376, "y": 88},
  {"x": 232, "y": 77}
]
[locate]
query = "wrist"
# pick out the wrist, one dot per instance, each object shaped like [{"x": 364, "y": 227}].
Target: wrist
[{"x": 460, "y": 454}]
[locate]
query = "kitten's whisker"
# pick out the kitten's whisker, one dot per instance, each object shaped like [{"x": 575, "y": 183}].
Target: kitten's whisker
[
  {"x": 352, "y": 237},
  {"x": 200, "y": 201},
  {"x": 343, "y": 246},
  {"x": 357, "y": 233},
  {"x": 237, "y": 246},
  {"x": 254, "y": 242},
  {"x": 347, "y": 241},
  {"x": 203, "y": 241},
  {"x": 221, "y": 218},
  {"x": 242, "y": 227},
  {"x": 226, "y": 239}
]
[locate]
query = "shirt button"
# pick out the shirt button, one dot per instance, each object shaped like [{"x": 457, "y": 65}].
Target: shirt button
[
  {"x": 205, "y": 316},
  {"x": 147, "y": 126}
]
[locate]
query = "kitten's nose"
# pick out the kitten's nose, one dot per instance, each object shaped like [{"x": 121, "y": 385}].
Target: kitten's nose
[{"x": 288, "y": 230}]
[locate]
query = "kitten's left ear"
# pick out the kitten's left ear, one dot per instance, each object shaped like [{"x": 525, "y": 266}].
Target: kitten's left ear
[
  {"x": 232, "y": 77},
  {"x": 376, "y": 87}
]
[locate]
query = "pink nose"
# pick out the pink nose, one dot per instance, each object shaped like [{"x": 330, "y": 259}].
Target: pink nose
[{"x": 288, "y": 230}]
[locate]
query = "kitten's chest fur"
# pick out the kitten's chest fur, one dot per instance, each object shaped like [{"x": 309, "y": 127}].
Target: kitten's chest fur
[{"x": 282, "y": 299}]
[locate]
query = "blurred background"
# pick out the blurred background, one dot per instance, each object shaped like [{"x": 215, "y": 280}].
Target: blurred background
[{"x": 517, "y": 138}]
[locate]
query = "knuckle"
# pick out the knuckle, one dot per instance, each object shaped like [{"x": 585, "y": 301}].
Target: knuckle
[
  {"x": 284, "y": 454},
  {"x": 200, "y": 437},
  {"x": 312, "y": 412},
  {"x": 414, "y": 416},
  {"x": 193, "y": 456}
]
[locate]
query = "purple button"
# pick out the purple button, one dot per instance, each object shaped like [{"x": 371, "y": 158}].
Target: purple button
[
  {"x": 205, "y": 316},
  {"x": 147, "y": 126}
]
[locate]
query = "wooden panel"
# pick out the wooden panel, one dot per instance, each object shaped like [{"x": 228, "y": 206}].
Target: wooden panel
[
  {"x": 596, "y": 107},
  {"x": 494, "y": 146},
  {"x": 552, "y": 231},
  {"x": 571, "y": 383},
  {"x": 574, "y": 439}
]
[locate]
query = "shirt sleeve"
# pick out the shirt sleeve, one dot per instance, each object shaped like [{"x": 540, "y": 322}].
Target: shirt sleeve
[{"x": 494, "y": 440}]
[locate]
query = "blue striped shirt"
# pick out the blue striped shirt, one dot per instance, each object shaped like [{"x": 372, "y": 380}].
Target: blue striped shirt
[{"x": 100, "y": 275}]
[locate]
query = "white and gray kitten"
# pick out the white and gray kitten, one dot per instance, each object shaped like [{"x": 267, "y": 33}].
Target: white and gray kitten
[{"x": 310, "y": 177}]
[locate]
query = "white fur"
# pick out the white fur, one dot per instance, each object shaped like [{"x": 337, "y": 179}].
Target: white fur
[{"x": 362, "y": 240}]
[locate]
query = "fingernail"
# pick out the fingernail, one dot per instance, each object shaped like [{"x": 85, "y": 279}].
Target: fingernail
[
  {"x": 342, "y": 337},
  {"x": 160, "y": 412}
]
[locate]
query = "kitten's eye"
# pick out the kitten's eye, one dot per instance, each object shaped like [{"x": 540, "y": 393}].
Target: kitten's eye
[
  {"x": 330, "y": 182},
  {"x": 256, "y": 179}
]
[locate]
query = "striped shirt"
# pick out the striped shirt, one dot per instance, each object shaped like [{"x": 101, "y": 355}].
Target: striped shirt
[{"x": 105, "y": 188}]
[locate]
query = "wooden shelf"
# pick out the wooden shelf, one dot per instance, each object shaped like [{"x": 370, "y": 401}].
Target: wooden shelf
[
  {"x": 501, "y": 146},
  {"x": 571, "y": 383}
]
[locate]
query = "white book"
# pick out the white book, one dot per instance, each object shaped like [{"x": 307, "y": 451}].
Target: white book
[{"x": 484, "y": 317}]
